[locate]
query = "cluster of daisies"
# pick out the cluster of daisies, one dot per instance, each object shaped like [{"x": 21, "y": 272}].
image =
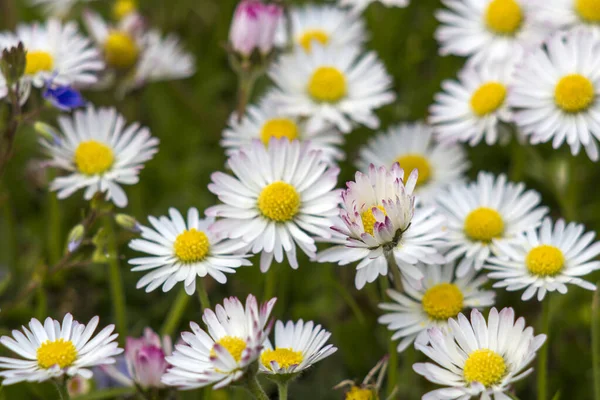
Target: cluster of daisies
[{"x": 410, "y": 215}]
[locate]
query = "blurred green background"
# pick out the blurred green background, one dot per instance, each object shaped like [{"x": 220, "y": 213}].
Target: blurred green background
[{"x": 188, "y": 117}]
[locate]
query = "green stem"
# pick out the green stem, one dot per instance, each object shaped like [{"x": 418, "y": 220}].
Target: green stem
[
  {"x": 116, "y": 281},
  {"x": 175, "y": 313},
  {"x": 596, "y": 342},
  {"x": 254, "y": 387},
  {"x": 55, "y": 245},
  {"x": 61, "y": 388},
  {"x": 394, "y": 270},
  {"x": 202, "y": 295},
  {"x": 245, "y": 85},
  {"x": 542, "y": 370},
  {"x": 392, "y": 372},
  {"x": 283, "y": 390}
]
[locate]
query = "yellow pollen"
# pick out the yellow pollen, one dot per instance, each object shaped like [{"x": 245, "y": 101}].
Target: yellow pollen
[
  {"x": 484, "y": 224},
  {"x": 285, "y": 357},
  {"x": 278, "y": 128},
  {"x": 588, "y": 10},
  {"x": 120, "y": 50},
  {"x": 409, "y": 162},
  {"x": 123, "y": 8},
  {"x": 488, "y": 98},
  {"x": 58, "y": 352},
  {"x": 443, "y": 301},
  {"x": 545, "y": 260},
  {"x": 279, "y": 201},
  {"x": 191, "y": 246},
  {"x": 484, "y": 366},
  {"x": 357, "y": 393},
  {"x": 504, "y": 17},
  {"x": 92, "y": 157},
  {"x": 313, "y": 35},
  {"x": 574, "y": 93},
  {"x": 38, "y": 61},
  {"x": 327, "y": 84},
  {"x": 234, "y": 345},
  {"x": 368, "y": 219}
]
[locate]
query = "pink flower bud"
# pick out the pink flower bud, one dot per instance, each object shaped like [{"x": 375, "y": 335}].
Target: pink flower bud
[
  {"x": 145, "y": 358},
  {"x": 253, "y": 26},
  {"x": 269, "y": 20}
]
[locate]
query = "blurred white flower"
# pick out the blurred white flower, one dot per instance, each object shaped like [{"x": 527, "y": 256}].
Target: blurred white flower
[{"x": 358, "y": 6}]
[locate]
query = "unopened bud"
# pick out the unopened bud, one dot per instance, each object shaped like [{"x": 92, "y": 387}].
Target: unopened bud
[
  {"x": 47, "y": 132},
  {"x": 253, "y": 27},
  {"x": 127, "y": 222},
  {"x": 12, "y": 64},
  {"x": 75, "y": 237}
]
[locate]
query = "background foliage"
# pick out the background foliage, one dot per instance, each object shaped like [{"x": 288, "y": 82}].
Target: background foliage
[{"x": 188, "y": 117}]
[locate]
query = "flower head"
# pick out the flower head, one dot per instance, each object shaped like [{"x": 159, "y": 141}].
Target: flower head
[{"x": 145, "y": 357}]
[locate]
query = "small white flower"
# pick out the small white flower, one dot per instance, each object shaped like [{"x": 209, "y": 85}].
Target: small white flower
[
  {"x": 100, "y": 153},
  {"x": 56, "y": 52},
  {"x": 332, "y": 85},
  {"x": 220, "y": 356},
  {"x": 281, "y": 197},
  {"x": 413, "y": 147},
  {"x": 297, "y": 347},
  {"x": 488, "y": 30},
  {"x": 569, "y": 15},
  {"x": 556, "y": 93},
  {"x": 474, "y": 107},
  {"x": 378, "y": 218},
  {"x": 324, "y": 24},
  {"x": 358, "y": 6},
  {"x": 56, "y": 349},
  {"x": 265, "y": 121},
  {"x": 431, "y": 301},
  {"x": 182, "y": 252},
  {"x": 56, "y": 8},
  {"x": 485, "y": 214},
  {"x": 479, "y": 358},
  {"x": 546, "y": 259}
]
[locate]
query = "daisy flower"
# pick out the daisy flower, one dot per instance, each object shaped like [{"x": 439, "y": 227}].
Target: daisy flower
[
  {"x": 56, "y": 8},
  {"x": 297, "y": 347},
  {"x": 570, "y": 15},
  {"x": 99, "y": 153},
  {"x": 56, "y": 349},
  {"x": 280, "y": 197},
  {"x": 220, "y": 356},
  {"x": 488, "y": 30},
  {"x": 56, "y": 52},
  {"x": 358, "y": 6},
  {"x": 483, "y": 215},
  {"x": 412, "y": 146},
  {"x": 379, "y": 219},
  {"x": 146, "y": 55},
  {"x": 324, "y": 24},
  {"x": 474, "y": 107},
  {"x": 332, "y": 85},
  {"x": 479, "y": 358},
  {"x": 430, "y": 301},
  {"x": 264, "y": 121},
  {"x": 546, "y": 259},
  {"x": 181, "y": 252},
  {"x": 555, "y": 92}
]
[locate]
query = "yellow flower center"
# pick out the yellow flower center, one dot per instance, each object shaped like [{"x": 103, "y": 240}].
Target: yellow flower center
[
  {"x": 574, "y": 93},
  {"x": 357, "y": 393},
  {"x": 488, "y": 98},
  {"x": 120, "y": 50},
  {"x": 284, "y": 357},
  {"x": 123, "y": 8},
  {"x": 92, "y": 157},
  {"x": 443, "y": 301},
  {"x": 504, "y": 17},
  {"x": 409, "y": 162},
  {"x": 327, "y": 84},
  {"x": 191, "y": 246},
  {"x": 279, "y": 201},
  {"x": 234, "y": 345},
  {"x": 278, "y": 128},
  {"x": 588, "y": 10},
  {"x": 58, "y": 352},
  {"x": 368, "y": 219},
  {"x": 313, "y": 35},
  {"x": 545, "y": 260},
  {"x": 484, "y": 366},
  {"x": 38, "y": 61},
  {"x": 484, "y": 224}
]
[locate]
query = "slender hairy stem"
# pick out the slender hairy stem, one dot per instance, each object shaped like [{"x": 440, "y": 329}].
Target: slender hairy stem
[
  {"x": 254, "y": 387},
  {"x": 202, "y": 295},
  {"x": 596, "y": 342},
  {"x": 8, "y": 136},
  {"x": 61, "y": 388},
  {"x": 392, "y": 372},
  {"x": 542, "y": 370},
  {"x": 175, "y": 313},
  {"x": 394, "y": 270},
  {"x": 115, "y": 279},
  {"x": 283, "y": 390}
]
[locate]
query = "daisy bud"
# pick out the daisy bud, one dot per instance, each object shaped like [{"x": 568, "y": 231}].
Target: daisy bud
[
  {"x": 269, "y": 20},
  {"x": 253, "y": 26},
  {"x": 12, "y": 63},
  {"x": 47, "y": 132},
  {"x": 128, "y": 222},
  {"x": 75, "y": 238},
  {"x": 145, "y": 358}
]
